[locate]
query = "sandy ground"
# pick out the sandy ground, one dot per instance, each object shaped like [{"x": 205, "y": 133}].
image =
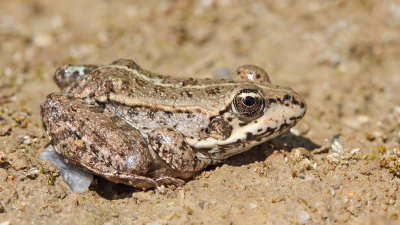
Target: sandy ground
[{"x": 342, "y": 55}]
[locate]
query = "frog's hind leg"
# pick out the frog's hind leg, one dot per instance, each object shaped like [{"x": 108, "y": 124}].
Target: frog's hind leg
[
  {"x": 68, "y": 74},
  {"x": 95, "y": 140}
]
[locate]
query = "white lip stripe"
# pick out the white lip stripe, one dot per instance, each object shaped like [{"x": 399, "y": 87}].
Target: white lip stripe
[
  {"x": 273, "y": 120},
  {"x": 234, "y": 151}
]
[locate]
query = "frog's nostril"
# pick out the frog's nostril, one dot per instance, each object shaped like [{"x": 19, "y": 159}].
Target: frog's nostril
[
  {"x": 286, "y": 97},
  {"x": 295, "y": 101}
]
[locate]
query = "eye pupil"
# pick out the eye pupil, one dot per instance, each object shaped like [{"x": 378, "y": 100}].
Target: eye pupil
[{"x": 249, "y": 100}]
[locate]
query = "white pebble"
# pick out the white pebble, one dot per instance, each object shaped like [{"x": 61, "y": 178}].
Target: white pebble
[
  {"x": 303, "y": 217},
  {"x": 354, "y": 151},
  {"x": 333, "y": 157},
  {"x": 337, "y": 147},
  {"x": 77, "y": 179}
]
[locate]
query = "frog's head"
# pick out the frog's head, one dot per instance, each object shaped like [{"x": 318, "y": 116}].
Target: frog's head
[{"x": 256, "y": 112}]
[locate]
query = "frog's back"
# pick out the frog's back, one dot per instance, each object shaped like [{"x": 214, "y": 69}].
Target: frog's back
[{"x": 128, "y": 84}]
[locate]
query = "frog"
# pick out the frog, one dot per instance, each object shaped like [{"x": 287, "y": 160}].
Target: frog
[{"x": 133, "y": 126}]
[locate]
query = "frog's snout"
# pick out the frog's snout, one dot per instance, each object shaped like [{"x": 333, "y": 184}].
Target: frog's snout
[{"x": 296, "y": 105}]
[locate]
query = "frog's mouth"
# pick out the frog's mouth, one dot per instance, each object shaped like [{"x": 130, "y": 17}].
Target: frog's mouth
[{"x": 276, "y": 119}]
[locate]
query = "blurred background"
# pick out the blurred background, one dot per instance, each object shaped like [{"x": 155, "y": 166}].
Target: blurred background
[{"x": 342, "y": 56}]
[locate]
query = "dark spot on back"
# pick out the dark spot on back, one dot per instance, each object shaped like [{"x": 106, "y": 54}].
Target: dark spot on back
[
  {"x": 189, "y": 81},
  {"x": 211, "y": 91},
  {"x": 151, "y": 114},
  {"x": 189, "y": 94},
  {"x": 133, "y": 112}
]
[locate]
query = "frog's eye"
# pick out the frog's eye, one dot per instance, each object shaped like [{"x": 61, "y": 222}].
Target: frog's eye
[{"x": 247, "y": 104}]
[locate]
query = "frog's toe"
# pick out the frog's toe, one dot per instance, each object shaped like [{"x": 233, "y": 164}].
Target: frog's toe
[
  {"x": 170, "y": 181},
  {"x": 134, "y": 180}
]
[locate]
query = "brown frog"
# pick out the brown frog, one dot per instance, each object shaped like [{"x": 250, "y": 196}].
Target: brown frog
[{"x": 143, "y": 129}]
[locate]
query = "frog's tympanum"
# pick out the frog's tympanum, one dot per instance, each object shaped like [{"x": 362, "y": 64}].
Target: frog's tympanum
[{"x": 132, "y": 126}]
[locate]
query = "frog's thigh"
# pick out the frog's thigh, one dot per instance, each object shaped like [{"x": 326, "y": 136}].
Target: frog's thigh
[
  {"x": 96, "y": 140},
  {"x": 67, "y": 74},
  {"x": 178, "y": 156}
]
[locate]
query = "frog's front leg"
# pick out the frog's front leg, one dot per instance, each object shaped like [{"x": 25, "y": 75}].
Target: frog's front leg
[{"x": 178, "y": 156}]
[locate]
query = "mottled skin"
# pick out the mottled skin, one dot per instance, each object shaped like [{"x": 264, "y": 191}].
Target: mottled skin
[{"x": 143, "y": 129}]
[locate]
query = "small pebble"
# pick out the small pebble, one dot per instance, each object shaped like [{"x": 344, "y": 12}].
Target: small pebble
[
  {"x": 294, "y": 131},
  {"x": 42, "y": 39},
  {"x": 333, "y": 157},
  {"x": 303, "y": 217},
  {"x": 33, "y": 173},
  {"x": 354, "y": 151},
  {"x": 277, "y": 199},
  {"x": 337, "y": 147},
  {"x": 2, "y": 157},
  {"x": 19, "y": 164}
]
